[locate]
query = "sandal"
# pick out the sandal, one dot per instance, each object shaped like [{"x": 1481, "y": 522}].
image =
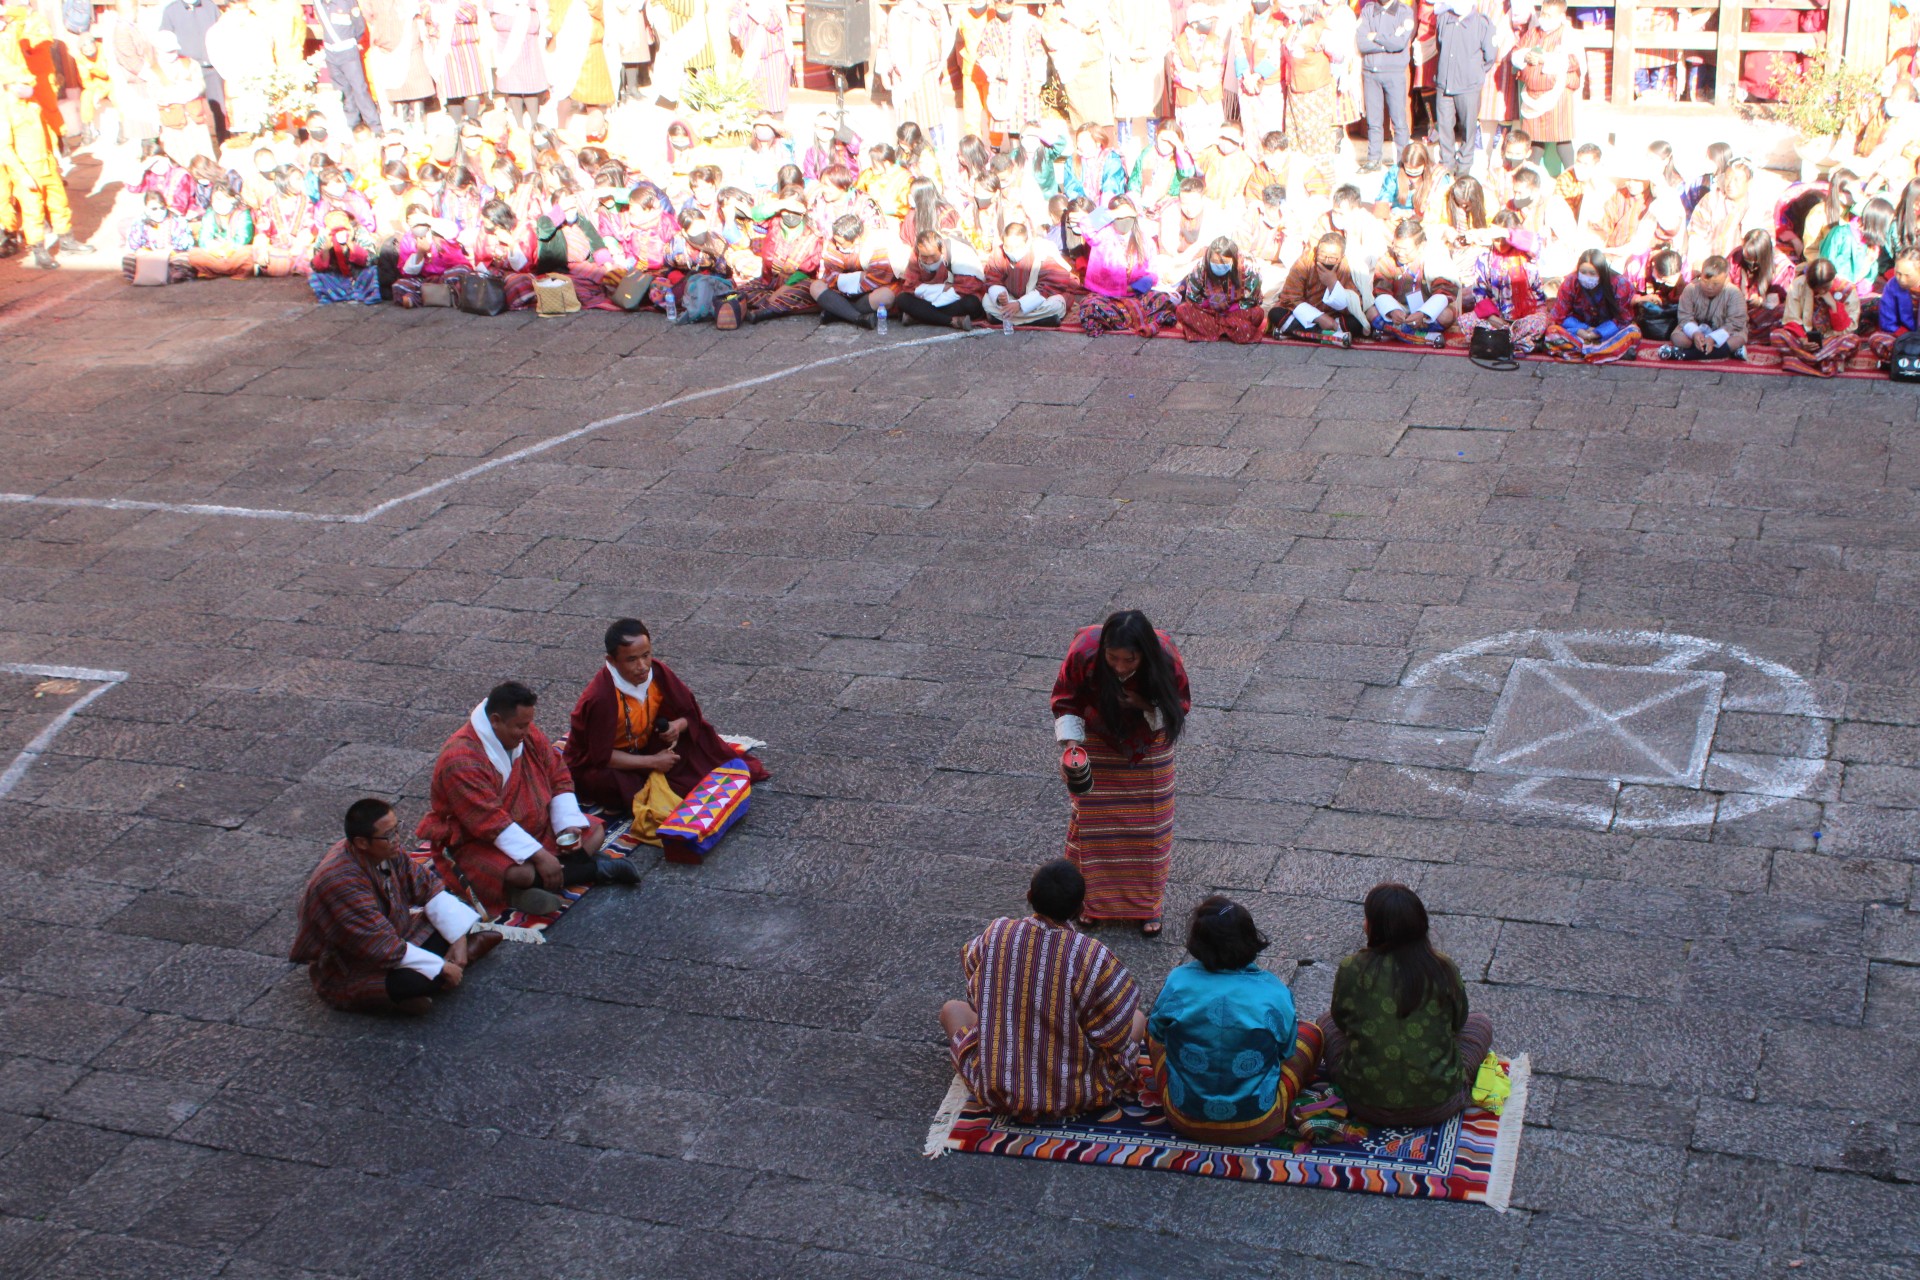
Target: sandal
[{"x": 1150, "y": 928}]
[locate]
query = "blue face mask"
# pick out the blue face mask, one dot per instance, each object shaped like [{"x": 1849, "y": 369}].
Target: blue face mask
[{"x": 1219, "y": 268}]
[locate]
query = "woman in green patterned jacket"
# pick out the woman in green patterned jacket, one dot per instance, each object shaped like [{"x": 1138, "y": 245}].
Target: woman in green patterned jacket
[{"x": 1400, "y": 1043}]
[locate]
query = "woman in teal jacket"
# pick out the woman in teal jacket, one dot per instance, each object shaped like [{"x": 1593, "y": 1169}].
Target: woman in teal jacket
[{"x": 1228, "y": 1051}]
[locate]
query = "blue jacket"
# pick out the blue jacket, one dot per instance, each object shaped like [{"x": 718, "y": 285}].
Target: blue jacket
[
  {"x": 1384, "y": 36},
  {"x": 1226, "y": 1036},
  {"x": 1898, "y": 309},
  {"x": 1467, "y": 51}
]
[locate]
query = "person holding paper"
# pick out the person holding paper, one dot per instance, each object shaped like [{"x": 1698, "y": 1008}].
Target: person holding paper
[
  {"x": 1413, "y": 302},
  {"x": 934, "y": 291},
  {"x": 1713, "y": 318},
  {"x": 1591, "y": 321},
  {"x": 377, "y": 930},
  {"x": 1320, "y": 302},
  {"x": 1028, "y": 282},
  {"x": 855, "y": 277},
  {"x": 500, "y": 801}
]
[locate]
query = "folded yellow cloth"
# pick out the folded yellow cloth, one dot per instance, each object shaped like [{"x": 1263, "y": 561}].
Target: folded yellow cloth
[
  {"x": 1491, "y": 1086},
  {"x": 653, "y": 804}
]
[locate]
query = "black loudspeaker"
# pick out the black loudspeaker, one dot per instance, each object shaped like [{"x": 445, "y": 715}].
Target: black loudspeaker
[{"x": 837, "y": 33}]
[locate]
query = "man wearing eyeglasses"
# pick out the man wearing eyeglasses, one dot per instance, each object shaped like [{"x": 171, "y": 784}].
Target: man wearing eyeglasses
[{"x": 377, "y": 932}]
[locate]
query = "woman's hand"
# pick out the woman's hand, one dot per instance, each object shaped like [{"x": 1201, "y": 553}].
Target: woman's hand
[{"x": 1133, "y": 698}]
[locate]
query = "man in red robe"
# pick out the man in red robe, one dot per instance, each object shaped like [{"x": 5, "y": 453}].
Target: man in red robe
[
  {"x": 503, "y": 821},
  {"x": 377, "y": 930},
  {"x": 636, "y": 718}
]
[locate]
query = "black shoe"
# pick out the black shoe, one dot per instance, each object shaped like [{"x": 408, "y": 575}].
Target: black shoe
[
  {"x": 756, "y": 317},
  {"x": 41, "y": 260},
  {"x": 1372, "y": 166},
  {"x": 613, "y": 870},
  {"x": 70, "y": 245},
  {"x": 9, "y": 244}
]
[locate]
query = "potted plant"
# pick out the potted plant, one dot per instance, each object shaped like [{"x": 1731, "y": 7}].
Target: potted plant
[
  {"x": 721, "y": 105},
  {"x": 1828, "y": 106}
]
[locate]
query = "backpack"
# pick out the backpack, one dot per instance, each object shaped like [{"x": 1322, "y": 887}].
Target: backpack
[
  {"x": 1904, "y": 364},
  {"x": 703, "y": 293},
  {"x": 77, "y": 16}
]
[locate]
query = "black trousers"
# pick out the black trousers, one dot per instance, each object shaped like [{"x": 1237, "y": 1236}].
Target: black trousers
[
  {"x": 1386, "y": 96},
  {"x": 1690, "y": 352},
  {"x": 349, "y": 76},
  {"x": 924, "y": 312},
  {"x": 411, "y": 984}
]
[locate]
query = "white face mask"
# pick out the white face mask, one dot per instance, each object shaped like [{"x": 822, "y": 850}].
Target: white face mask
[
  {"x": 1589, "y": 280},
  {"x": 156, "y": 214}
]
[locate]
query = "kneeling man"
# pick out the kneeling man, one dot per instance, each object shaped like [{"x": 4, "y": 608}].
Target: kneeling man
[
  {"x": 503, "y": 821},
  {"x": 636, "y": 718},
  {"x": 377, "y": 930},
  {"x": 1053, "y": 1027}
]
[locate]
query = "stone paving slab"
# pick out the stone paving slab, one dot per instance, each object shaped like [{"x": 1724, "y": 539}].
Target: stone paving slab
[{"x": 874, "y": 564}]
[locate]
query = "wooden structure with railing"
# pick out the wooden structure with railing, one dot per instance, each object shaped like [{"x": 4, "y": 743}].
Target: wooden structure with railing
[{"x": 1856, "y": 33}]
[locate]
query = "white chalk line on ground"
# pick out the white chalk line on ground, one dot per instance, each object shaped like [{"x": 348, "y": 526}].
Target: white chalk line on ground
[
  {"x": 44, "y": 739},
  {"x": 518, "y": 455}
]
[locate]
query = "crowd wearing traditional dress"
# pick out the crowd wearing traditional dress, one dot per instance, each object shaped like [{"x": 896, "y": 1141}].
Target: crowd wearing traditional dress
[{"x": 1115, "y": 165}]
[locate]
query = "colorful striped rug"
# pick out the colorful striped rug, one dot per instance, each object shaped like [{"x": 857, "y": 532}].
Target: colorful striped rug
[{"x": 1470, "y": 1157}]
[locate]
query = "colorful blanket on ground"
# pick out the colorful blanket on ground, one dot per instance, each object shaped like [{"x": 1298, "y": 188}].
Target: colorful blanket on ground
[
  {"x": 1761, "y": 358},
  {"x": 1470, "y": 1157}
]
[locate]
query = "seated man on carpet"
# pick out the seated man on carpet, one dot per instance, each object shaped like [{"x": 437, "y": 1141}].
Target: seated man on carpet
[
  {"x": 1228, "y": 1050},
  {"x": 377, "y": 931},
  {"x": 1053, "y": 1025},
  {"x": 637, "y": 721},
  {"x": 505, "y": 828},
  {"x": 1399, "y": 1042}
]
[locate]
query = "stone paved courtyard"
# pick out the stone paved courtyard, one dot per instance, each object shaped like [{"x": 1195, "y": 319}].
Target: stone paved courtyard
[{"x": 1422, "y": 606}]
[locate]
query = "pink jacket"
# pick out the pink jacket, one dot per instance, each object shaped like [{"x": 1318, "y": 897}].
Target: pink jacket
[{"x": 1111, "y": 271}]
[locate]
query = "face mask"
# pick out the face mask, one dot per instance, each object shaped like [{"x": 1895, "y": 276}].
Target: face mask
[
  {"x": 156, "y": 214},
  {"x": 1016, "y": 252},
  {"x": 1123, "y": 225},
  {"x": 1220, "y": 268},
  {"x": 1521, "y": 202},
  {"x": 930, "y": 267},
  {"x": 1261, "y": 6},
  {"x": 223, "y": 207},
  {"x": 1204, "y": 27},
  {"x": 335, "y": 193},
  {"x": 1589, "y": 280},
  {"x": 1413, "y": 174},
  {"x": 318, "y": 135},
  {"x": 792, "y": 220}
]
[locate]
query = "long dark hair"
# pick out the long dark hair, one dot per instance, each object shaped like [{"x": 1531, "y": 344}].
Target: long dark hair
[
  {"x": 1756, "y": 261},
  {"x": 1597, "y": 259},
  {"x": 1129, "y": 629},
  {"x": 1397, "y": 935}
]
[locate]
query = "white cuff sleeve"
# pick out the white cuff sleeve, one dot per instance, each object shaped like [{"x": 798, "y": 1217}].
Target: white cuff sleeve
[
  {"x": 1336, "y": 298},
  {"x": 451, "y": 917},
  {"x": 1070, "y": 729},
  {"x": 1689, "y": 328},
  {"x": 1719, "y": 337},
  {"x": 414, "y": 265},
  {"x": 1307, "y": 314},
  {"x": 1433, "y": 306},
  {"x": 517, "y": 260},
  {"x": 423, "y": 961},
  {"x": 1032, "y": 300},
  {"x": 1153, "y": 718},
  {"x": 564, "y": 812},
  {"x": 516, "y": 843},
  {"x": 847, "y": 282}
]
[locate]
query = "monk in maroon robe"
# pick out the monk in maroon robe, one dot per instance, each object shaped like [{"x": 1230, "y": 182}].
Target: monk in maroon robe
[{"x": 635, "y": 718}]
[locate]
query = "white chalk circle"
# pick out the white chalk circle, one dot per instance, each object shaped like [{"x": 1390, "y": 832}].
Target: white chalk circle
[{"x": 1620, "y": 730}]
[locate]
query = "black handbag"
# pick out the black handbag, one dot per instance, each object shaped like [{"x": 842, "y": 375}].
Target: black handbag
[
  {"x": 1904, "y": 364},
  {"x": 1492, "y": 349},
  {"x": 1657, "y": 321},
  {"x": 479, "y": 294}
]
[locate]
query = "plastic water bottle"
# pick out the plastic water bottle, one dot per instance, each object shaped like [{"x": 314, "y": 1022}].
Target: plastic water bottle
[
  {"x": 1006, "y": 325},
  {"x": 673, "y": 307},
  {"x": 880, "y": 321}
]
